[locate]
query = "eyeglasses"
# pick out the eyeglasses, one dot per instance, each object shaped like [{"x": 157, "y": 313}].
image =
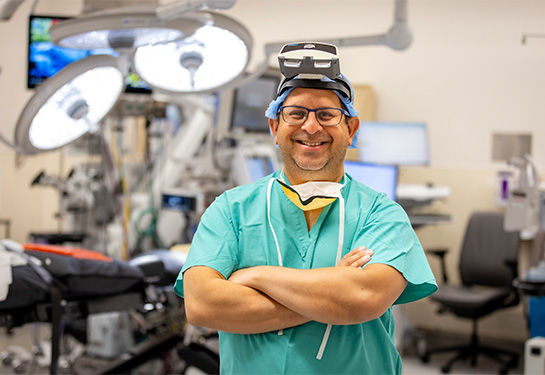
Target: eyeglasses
[{"x": 295, "y": 115}]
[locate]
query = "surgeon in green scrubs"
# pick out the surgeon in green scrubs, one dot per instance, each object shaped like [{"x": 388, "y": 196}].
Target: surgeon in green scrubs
[{"x": 299, "y": 271}]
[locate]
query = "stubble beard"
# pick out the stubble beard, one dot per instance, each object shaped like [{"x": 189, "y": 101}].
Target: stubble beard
[{"x": 310, "y": 170}]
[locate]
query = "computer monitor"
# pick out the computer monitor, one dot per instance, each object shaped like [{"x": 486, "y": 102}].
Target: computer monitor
[
  {"x": 250, "y": 103},
  {"x": 394, "y": 143},
  {"x": 253, "y": 161},
  {"x": 379, "y": 177},
  {"x": 45, "y": 58}
]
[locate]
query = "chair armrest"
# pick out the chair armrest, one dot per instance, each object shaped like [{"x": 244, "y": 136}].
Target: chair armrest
[{"x": 441, "y": 254}]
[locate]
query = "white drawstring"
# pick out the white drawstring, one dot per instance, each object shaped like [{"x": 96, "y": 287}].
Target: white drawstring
[
  {"x": 337, "y": 258},
  {"x": 269, "y": 188}
]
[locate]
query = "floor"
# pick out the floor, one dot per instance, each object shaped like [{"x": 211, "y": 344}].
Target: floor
[{"x": 412, "y": 365}]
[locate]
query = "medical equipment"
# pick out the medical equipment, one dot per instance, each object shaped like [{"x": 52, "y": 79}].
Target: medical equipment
[
  {"x": 109, "y": 334},
  {"x": 102, "y": 294},
  {"x": 186, "y": 166},
  {"x": 123, "y": 28},
  {"x": 69, "y": 105},
  {"x": 249, "y": 103},
  {"x": 523, "y": 206},
  {"x": 177, "y": 8},
  {"x": 86, "y": 204},
  {"x": 197, "y": 64},
  {"x": 309, "y": 61},
  {"x": 178, "y": 216}
]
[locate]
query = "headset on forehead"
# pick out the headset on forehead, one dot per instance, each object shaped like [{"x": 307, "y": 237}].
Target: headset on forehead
[{"x": 306, "y": 65}]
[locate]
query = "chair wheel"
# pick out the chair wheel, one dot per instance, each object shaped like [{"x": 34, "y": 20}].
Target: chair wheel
[{"x": 445, "y": 369}]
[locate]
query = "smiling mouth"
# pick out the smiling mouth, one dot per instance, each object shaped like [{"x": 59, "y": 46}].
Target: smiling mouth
[{"x": 306, "y": 143}]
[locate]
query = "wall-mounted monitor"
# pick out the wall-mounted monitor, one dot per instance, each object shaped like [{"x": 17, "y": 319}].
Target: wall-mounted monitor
[
  {"x": 250, "y": 103},
  {"x": 395, "y": 143},
  {"x": 45, "y": 58},
  {"x": 379, "y": 177}
]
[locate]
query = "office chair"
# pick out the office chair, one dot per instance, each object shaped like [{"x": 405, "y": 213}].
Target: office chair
[{"x": 488, "y": 266}]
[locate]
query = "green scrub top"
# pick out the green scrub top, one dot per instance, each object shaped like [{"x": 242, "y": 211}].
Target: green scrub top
[{"x": 234, "y": 233}]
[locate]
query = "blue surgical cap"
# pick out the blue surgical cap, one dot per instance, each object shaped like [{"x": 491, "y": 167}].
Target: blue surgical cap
[{"x": 274, "y": 105}]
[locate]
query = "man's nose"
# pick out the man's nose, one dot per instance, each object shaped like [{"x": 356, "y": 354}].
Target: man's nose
[{"x": 311, "y": 125}]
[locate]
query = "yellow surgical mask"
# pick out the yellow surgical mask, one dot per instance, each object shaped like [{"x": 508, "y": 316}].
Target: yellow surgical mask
[{"x": 312, "y": 195}]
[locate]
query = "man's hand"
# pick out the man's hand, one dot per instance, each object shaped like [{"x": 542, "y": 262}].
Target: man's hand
[{"x": 356, "y": 258}]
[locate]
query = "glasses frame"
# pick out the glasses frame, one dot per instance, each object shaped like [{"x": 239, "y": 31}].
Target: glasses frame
[{"x": 281, "y": 111}]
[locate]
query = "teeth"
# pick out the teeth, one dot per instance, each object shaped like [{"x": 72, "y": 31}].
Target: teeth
[{"x": 311, "y": 144}]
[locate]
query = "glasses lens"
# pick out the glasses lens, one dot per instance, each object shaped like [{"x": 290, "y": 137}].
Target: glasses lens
[
  {"x": 329, "y": 116},
  {"x": 294, "y": 115}
]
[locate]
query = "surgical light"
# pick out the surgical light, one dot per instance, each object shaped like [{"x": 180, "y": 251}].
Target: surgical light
[
  {"x": 126, "y": 27},
  {"x": 69, "y": 104},
  {"x": 206, "y": 61}
]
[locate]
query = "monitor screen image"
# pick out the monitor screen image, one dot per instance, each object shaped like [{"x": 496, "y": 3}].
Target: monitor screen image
[
  {"x": 381, "y": 178},
  {"x": 250, "y": 103},
  {"x": 393, "y": 143},
  {"x": 178, "y": 202},
  {"x": 45, "y": 58}
]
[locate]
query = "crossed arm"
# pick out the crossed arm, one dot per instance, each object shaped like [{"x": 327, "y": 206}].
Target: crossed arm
[{"x": 267, "y": 298}]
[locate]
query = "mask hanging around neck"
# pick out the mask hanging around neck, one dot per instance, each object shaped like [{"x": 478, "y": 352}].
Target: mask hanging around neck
[{"x": 312, "y": 195}]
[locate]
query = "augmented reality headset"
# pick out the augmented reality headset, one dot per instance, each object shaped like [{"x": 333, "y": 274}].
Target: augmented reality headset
[{"x": 306, "y": 65}]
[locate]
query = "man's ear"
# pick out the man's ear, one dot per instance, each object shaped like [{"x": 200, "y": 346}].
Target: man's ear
[
  {"x": 273, "y": 125},
  {"x": 353, "y": 126}
]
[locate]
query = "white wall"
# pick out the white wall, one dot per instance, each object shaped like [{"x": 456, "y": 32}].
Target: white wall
[{"x": 466, "y": 75}]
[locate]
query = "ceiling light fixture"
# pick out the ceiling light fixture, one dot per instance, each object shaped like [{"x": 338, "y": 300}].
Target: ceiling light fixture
[
  {"x": 203, "y": 62},
  {"x": 69, "y": 104},
  {"x": 124, "y": 28}
]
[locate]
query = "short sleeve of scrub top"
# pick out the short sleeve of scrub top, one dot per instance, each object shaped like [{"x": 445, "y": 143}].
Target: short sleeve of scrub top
[
  {"x": 216, "y": 241},
  {"x": 387, "y": 231}
]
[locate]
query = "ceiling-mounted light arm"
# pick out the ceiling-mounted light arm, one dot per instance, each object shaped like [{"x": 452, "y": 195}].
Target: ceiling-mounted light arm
[
  {"x": 11, "y": 145},
  {"x": 7, "y": 8},
  {"x": 531, "y": 35},
  {"x": 398, "y": 37},
  {"x": 176, "y": 8}
]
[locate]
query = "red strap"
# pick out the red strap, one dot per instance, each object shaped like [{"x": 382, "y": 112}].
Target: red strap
[{"x": 73, "y": 252}]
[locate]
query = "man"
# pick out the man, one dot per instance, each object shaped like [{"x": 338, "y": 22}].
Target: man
[{"x": 281, "y": 267}]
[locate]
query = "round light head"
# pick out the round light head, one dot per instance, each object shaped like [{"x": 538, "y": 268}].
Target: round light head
[
  {"x": 69, "y": 104},
  {"x": 126, "y": 27},
  {"x": 205, "y": 61}
]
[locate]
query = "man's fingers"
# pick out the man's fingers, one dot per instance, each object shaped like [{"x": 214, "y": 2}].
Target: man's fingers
[
  {"x": 357, "y": 257},
  {"x": 361, "y": 261}
]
